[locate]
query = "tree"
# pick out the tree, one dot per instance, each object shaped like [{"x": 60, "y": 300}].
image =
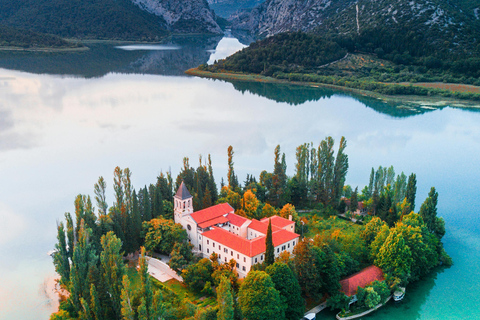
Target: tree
[
  {"x": 162, "y": 234},
  {"x": 339, "y": 172},
  {"x": 99, "y": 190},
  {"x": 287, "y": 286},
  {"x": 270, "y": 249},
  {"x": 181, "y": 256},
  {"x": 113, "y": 269},
  {"x": 60, "y": 258},
  {"x": 84, "y": 262},
  {"x": 225, "y": 300},
  {"x": 305, "y": 261},
  {"x": 395, "y": 257},
  {"x": 411, "y": 190},
  {"x": 195, "y": 276},
  {"x": 268, "y": 210},
  {"x": 251, "y": 203},
  {"x": 354, "y": 200},
  {"x": 232, "y": 178},
  {"x": 258, "y": 299},
  {"x": 128, "y": 312},
  {"x": 428, "y": 211}
]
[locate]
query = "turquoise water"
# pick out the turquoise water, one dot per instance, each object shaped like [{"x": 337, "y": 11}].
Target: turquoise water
[{"x": 66, "y": 119}]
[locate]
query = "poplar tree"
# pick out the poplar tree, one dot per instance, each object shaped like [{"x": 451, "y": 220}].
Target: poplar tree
[
  {"x": 70, "y": 234},
  {"x": 128, "y": 312},
  {"x": 113, "y": 269},
  {"x": 225, "y": 300},
  {"x": 428, "y": 212},
  {"x": 99, "y": 190},
  {"x": 60, "y": 258},
  {"x": 354, "y": 200},
  {"x": 339, "y": 172},
  {"x": 95, "y": 305},
  {"x": 411, "y": 190},
  {"x": 232, "y": 178},
  {"x": 270, "y": 249}
]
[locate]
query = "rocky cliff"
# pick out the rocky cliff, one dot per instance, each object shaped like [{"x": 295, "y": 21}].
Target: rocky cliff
[
  {"x": 275, "y": 16},
  {"x": 441, "y": 24},
  {"x": 184, "y": 16}
]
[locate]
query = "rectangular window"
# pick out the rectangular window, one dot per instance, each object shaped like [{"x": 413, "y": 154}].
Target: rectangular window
[
  {"x": 225, "y": 250},
  {"x": 208, "y": 250},
  {"x": 278, "y": 250},
  {"x": 238, "y": 266},
  {"x": 219, "y": 247},
  {"x": 255, "y": 260},
  {"x": 261, "y": 257},
  {"x": 238, "y": 256},
  {"x": 244, "y": 259},
  {"x": 293, "y": 243},
  {"x": 243, "y": 268},
  {"x": 231, "y": 253},
  {"x": 289, "y": 245},
  {"x": 208, "y": 241},
  {"x": 214, "y": 244},
  {"x": 225, "y": 259},
  {"x": 220, "y": 257}
]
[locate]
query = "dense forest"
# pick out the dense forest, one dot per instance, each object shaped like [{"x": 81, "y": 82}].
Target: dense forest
[
  {"x": 86, "y": 19},
  {"x": 284, "y": 51},
  {"x": 11, "y": 37},
  {"x": 308, "y": 57},
  {"x": 99, "y": 248}
]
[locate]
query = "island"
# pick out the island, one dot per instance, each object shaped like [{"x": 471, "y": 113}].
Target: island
[{"x": 272, "y": 247}]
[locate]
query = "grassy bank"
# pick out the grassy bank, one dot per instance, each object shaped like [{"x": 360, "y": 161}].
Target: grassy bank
[{"x": 417, "y": 94}]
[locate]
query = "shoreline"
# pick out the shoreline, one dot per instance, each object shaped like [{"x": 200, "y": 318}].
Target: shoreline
[
  {"x": 419, "y": 101},
  {"x": 45, "y": 49}
]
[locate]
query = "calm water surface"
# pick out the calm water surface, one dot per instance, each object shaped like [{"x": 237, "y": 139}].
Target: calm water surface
[{"x": 65, "y": 120}]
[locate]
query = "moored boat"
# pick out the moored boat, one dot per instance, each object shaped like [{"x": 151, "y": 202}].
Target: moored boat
[{"x": 399, "y": 294}]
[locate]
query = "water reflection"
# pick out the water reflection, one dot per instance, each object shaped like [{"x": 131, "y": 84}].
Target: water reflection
[
  {"x": 298, "y": 95},
  {"x": 172, "y": 58}
]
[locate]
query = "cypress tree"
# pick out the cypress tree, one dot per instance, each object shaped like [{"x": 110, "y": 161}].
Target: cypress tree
[
  {"x": 128, "y": 312},
  {"x": 95, "y": 305},
  {"x": 270, "y": 249}
]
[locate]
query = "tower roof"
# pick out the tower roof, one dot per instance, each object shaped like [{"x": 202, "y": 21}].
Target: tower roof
[{"x": 183, "y": 192}]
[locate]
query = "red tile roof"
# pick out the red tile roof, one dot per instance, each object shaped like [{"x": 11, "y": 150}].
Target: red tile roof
[
  {"x": 278, "y": 221},
  {"x": 361, "y": 279},
  {"x": 212, "y": 212},
  {"x": 236, "y": 220},
  {"x": 212, "y": 222},
  {"x": 261, "y": 226},
  {"x": 249, "y": 248}
]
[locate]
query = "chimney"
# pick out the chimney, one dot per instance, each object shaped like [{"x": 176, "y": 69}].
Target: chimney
[{"x": 290, "y": 217}]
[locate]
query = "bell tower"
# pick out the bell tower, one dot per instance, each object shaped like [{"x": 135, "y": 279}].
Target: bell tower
[{"x": 183, "y": 204}]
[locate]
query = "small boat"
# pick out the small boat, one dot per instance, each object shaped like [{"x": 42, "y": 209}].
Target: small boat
[
  {"x": 399, "y": 294},
  {"x": 309, "y": 316}
]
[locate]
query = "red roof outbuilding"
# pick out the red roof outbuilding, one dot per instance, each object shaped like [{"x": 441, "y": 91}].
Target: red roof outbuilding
[{"x": 361, "y": 279}]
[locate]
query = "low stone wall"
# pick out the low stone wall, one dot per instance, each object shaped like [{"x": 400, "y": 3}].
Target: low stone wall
[{"x": 363, "y": 313}]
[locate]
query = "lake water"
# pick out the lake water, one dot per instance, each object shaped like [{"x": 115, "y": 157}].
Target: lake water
[{"x": 66, "y": 119}]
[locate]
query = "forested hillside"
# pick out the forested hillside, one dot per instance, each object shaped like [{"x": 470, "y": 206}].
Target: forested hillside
[
  {"x": 11, "y": 37},
  {"x": 286, "y": 51},
  {"x": 94, "y": 19}
]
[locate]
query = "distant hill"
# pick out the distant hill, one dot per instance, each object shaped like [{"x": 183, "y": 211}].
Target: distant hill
[
  {"x": 139, "y": 20},
  {"x": 11, "y": 37}
]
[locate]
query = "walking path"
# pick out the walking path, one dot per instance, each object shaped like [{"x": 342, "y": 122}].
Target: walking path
[
  {"x": 318, "y": 308},
  {"x": 161, "y": 271}
]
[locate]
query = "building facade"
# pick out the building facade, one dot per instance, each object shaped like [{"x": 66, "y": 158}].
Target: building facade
[{"x": 219, "y": 230}]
